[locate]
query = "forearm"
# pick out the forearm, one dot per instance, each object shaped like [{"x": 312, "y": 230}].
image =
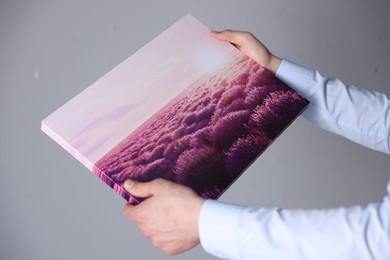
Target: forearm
[
  {"x": 360, "y": 115},
  {"x": 354, "y": 233}
]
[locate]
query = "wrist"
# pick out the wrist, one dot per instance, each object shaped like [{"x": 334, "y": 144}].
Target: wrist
[
  {"x": 196, "y": 214},
  {"x": 274, "y": 64}
]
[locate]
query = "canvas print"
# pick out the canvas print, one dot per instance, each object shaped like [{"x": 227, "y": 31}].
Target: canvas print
[{"x": 184, "y": 107}]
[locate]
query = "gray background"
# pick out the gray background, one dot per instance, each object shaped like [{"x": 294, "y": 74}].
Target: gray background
[{"x": 51, "y": 207}]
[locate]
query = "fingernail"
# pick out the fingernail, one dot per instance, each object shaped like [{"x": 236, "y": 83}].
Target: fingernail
[{"x": 128, "y": 184}]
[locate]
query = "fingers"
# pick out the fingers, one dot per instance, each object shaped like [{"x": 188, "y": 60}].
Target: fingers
[
  {"x": 237, "y": 38},
  {"x": 220, "y": 36},
  {"x": 247, "y": 43},
  {"x": 134, "y": 213},
  {"x": 226, "y": 36},
  {"x": 128, "y": 211},
  {"x": 138, "y": 189},
  {"x": 146, "y": 189},
  {"x": 169, "y": 217}
]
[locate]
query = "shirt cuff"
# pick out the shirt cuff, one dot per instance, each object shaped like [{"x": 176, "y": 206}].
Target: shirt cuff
[
  {"x": 296, "y": 76},
  {"x": 218, "y": 229}
]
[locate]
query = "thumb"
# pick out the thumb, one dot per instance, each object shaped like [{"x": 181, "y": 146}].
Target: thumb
[
  {"x": 231, "y": 36},
  {"x": 220, "y": 36},
  {"x": 138, "y": 189}
]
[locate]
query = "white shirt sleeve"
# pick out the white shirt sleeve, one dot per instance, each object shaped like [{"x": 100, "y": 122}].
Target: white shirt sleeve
[{"x": 235, "y": 232}]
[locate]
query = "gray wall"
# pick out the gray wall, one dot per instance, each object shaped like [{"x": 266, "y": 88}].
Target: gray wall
[{"x": 51, "y": 207}]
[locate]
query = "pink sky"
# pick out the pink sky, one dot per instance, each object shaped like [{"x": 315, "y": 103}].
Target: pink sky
[{"x": 101, "y": 116}]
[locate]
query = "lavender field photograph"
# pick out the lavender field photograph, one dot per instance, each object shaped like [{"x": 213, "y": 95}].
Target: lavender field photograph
[
  {"x": 184, "y": 107},
  {"x": 208, "y": 135}
]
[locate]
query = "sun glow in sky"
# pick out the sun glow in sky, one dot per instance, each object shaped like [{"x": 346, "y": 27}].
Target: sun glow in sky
[{"x": 114, "y": 106}]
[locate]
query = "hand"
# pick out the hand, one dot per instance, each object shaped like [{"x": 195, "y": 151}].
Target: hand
[
  {"x": 168, "y": 217},
  {"x": 250, "y": 46}
]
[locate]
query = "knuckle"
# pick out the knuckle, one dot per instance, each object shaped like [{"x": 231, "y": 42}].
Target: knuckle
[
  {"x": 128, "y": 212},
  {"x": 159, "y": 184},
  {"x": 248, "y": 35},
  {"x": 135, "y": 187},
  {"x": 158, "y": 181},
  {"x": 139, "y": 217},
  {"x": 157, "y": 244},
  {"x": 169, "y": 251},
  {"x": 147, "y": 233},
  {"x": 165, "y": 247}
]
